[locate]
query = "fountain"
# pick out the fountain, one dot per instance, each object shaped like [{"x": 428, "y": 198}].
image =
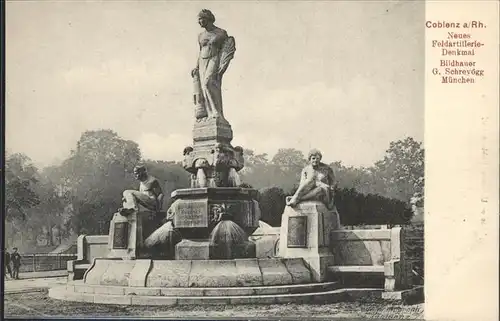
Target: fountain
[{"x": 207, "y": 257}]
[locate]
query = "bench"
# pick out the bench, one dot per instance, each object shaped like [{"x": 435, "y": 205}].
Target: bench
[
  {"x": 88, "y": 248},
  {"x": 378, "y": 269},
  {"x": 361, "y": 254}
]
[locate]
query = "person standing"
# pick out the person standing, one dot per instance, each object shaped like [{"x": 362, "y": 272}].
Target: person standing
[
  {"x": 6, "y": 258},
  {"x": 16, "y": 263}
]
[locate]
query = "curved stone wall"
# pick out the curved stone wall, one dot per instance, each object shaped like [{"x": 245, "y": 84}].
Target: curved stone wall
[{"x": 198, "y": 273}]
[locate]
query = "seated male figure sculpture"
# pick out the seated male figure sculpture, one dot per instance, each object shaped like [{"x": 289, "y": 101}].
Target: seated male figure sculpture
[
  {"x": 146, "y": 196},
  {"x": 317, "y": 183}
]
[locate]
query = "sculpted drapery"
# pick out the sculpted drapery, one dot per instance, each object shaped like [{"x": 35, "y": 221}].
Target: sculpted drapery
[{"x": 216, "y": 51}]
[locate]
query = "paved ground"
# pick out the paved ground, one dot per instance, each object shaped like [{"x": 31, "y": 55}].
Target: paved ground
[
  {"x": 41, "y": 274},
  {"x": 32, "y": 285}
]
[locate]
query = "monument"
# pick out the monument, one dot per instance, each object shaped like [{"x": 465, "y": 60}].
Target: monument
[
  {"x": 205, "y": 232},
  {"x": 215, "y": 207},
  {"x": 215, "y": 216}
]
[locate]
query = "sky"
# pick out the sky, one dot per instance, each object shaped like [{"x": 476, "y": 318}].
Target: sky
[{"x": 343, "y": 77}]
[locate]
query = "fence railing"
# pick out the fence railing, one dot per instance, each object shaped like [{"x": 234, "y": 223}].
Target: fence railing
[
  {"x": 414, "y": 248},
  {"x": 44, "y": 262}
]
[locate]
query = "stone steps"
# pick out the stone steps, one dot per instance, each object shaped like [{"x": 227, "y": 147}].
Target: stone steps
[
  {"x": 80, "y": 287},
  {"x": 323, "y": 293}
]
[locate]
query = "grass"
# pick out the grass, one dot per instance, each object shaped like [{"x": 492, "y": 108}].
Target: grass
[{"x": 36, "y": 305}]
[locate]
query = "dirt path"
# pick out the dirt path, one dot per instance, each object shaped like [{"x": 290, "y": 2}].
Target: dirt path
[{"x": 39, "y": 304}]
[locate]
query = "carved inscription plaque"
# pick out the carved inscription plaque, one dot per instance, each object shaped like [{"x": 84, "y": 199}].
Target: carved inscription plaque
[
  {"x": 120, "y": 236},
  {"x": 191, "y": 214},
  {"x": 297, "y": 231}
]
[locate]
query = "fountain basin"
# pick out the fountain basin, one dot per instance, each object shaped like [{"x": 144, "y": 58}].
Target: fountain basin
[{"x": 197, "y": 273}]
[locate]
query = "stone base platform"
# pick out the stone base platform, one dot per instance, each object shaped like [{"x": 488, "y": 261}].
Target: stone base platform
[
  {"x": 194, "y": 282},
  {"x": 172, "y": 282},
  {"x": 78, "y": 291},
  {"x": 302, "y": 293},
  {"x": 313, "y": 293}
]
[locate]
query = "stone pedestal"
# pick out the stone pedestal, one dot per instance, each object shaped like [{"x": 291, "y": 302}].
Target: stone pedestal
[
  {"x": 127, "y": 234},
  {"x": 212, "y": 160},
  {"x": 305, "y": 233},
  {"x": 212, "y": 131},
  {"x": 197, "y": 211}
]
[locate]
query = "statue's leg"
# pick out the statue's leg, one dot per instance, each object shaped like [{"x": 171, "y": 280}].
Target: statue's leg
[
  {"x": 129, "y": 200},
  {"x": 317, "y": 193},
  {"x": 147, "y": 201},
  {"x": 204, "y": 73},
  {"x": 303, "y": 189},
  {"x": 132, "y": 199},
  {"x": 211, "y": 87}
]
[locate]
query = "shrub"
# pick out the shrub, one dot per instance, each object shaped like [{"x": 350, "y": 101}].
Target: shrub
[
  {"x": 245, "y": 185},
  {"x": 360, "y": 209},
  {"x": 272, "y": 204},
  {"x": 354, "y": 208}
]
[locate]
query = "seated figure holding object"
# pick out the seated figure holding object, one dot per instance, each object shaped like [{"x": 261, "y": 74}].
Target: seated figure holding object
[
  {"x": 317, "y": 183},
  {"x": 149, "y": 193}
]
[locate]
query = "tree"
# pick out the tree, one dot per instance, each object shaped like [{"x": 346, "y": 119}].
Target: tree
[
  {"x": 95, "y": 175},
  {"x": 364, "y": 180},
  {"x": 32, "y": 201},
  {"x": 172, "y": 176},
  {"x": 20, "y": 181},
  {"x": 289, "y": 159},
  {"x": 252, "y": 159},
  {"x": 256, "y": 168},
  {"x": 49, "y": 213},
  {"x": 254, "y": 163},
  {"x": 402, "y": 169}
]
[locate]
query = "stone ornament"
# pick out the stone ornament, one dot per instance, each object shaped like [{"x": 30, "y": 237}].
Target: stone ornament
[{"x": 219, "y": 167}]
